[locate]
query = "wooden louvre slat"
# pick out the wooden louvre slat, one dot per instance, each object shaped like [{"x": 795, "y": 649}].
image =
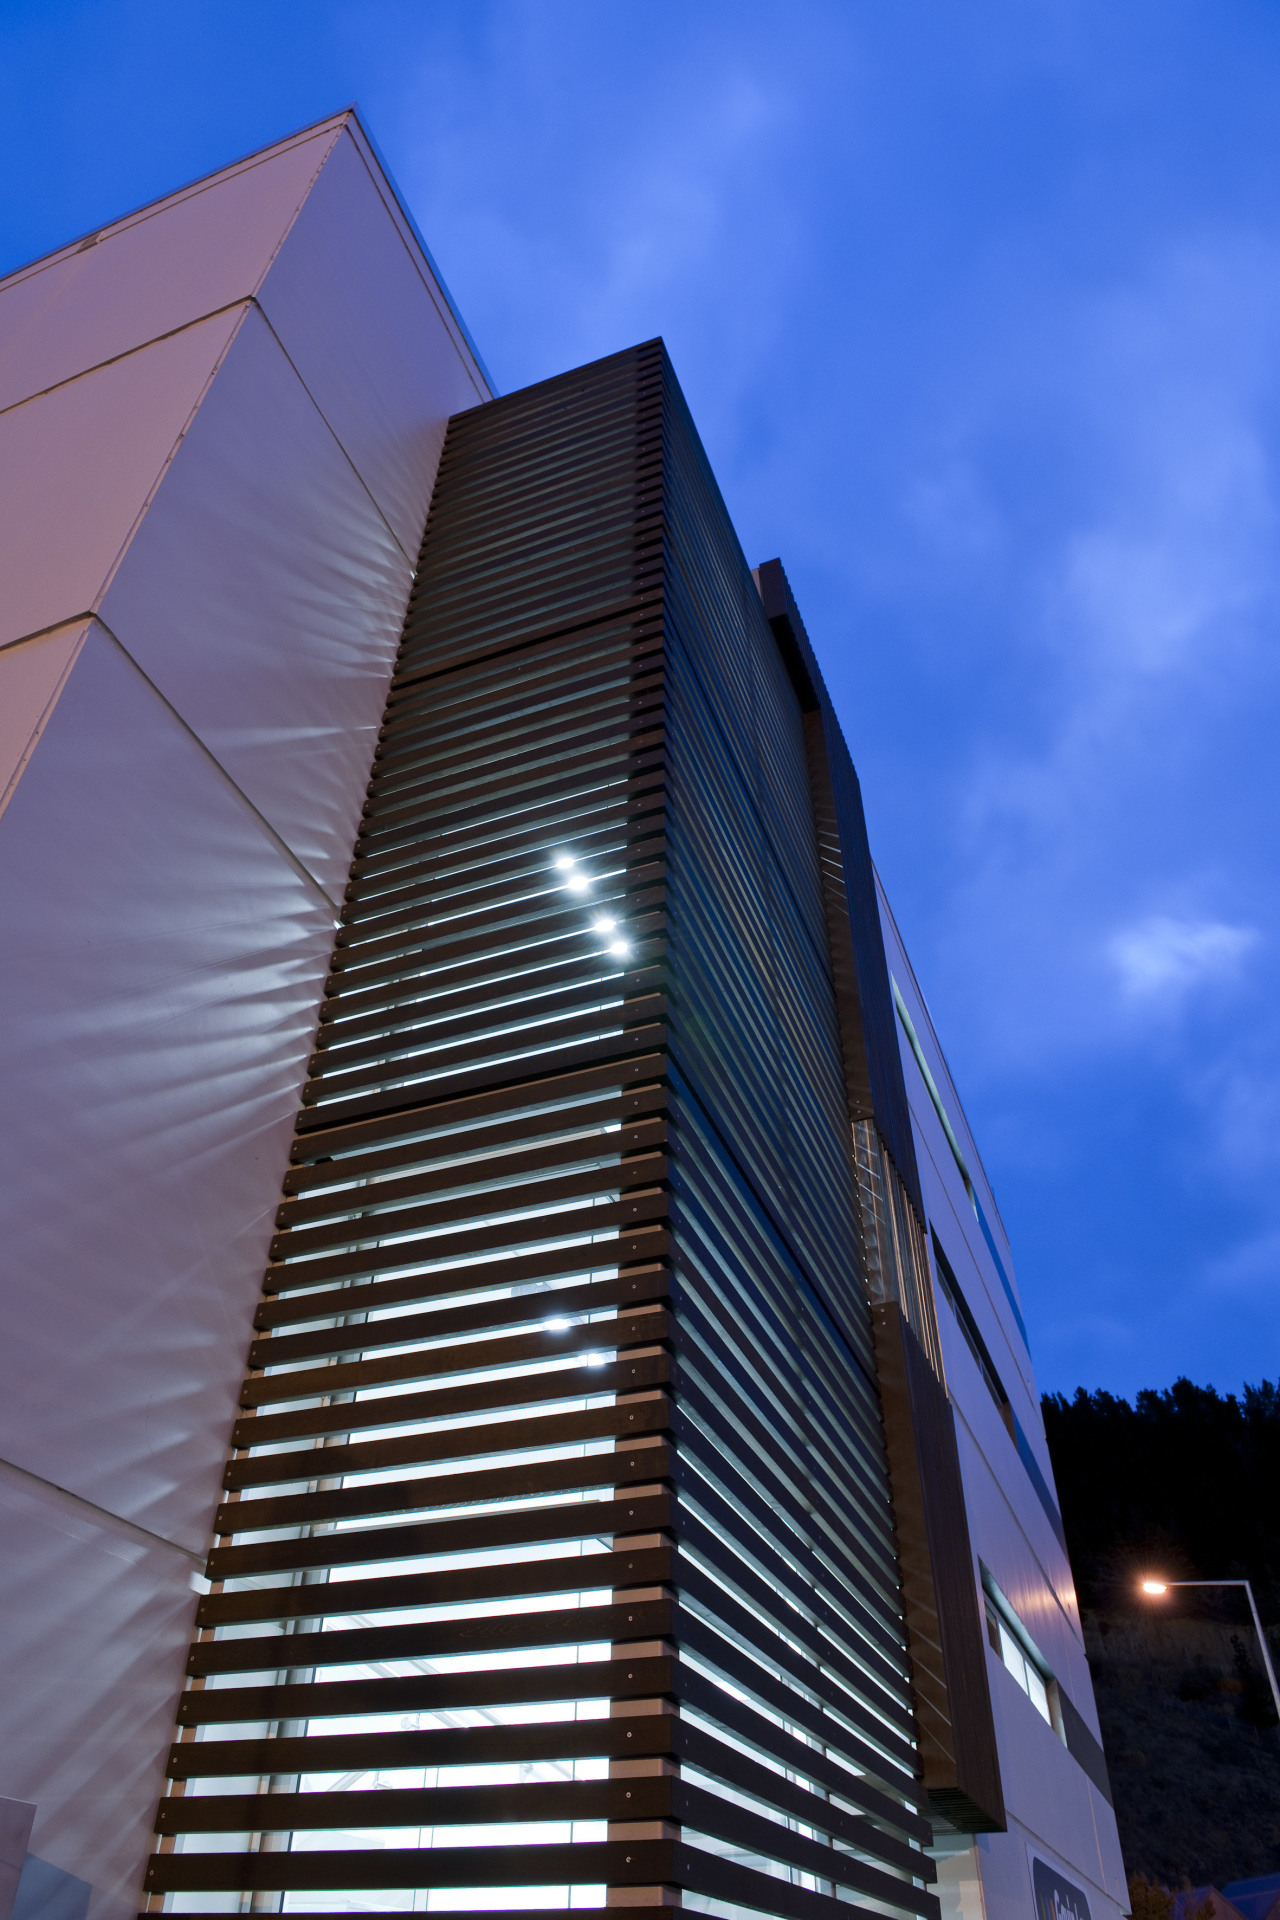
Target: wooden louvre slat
[
  {"x": 622, "y": 1863},
  {"x": 624, "y": 1569}
]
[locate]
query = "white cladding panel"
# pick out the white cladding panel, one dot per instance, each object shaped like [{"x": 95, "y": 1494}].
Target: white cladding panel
[
  {"x": 95, "y": 1620},
  {"x": 31, "y": 678},
  {"x": 1001, "y": 1527},
  {"x": 377, "y": 346},
  {"x": 263, "y": 594},
  {"x": 77, "y": 467},
  {"x": 159, "y": 977},
  {"x": 1051, "y": 1799},
  {"x": 154, "y": 271}
]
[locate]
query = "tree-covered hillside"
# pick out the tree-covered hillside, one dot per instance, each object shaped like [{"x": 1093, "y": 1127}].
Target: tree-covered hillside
[{"x": 1186, "y": 1484}]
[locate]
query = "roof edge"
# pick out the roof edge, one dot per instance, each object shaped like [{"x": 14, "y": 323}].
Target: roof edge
[
  {"x": 353, "y": 112},
  {"x": 186, "y": 186}
]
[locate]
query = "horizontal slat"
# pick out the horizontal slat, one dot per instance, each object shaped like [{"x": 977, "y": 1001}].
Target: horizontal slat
[
  {"x": 572, "y": 961},
  {"x": 634, "y": 829},
  {"x": 561, "y": 1104},
  {"x": 490, "y": 746},
  {"x": 430, "y": 1005},
  {"x": 572, "y": 678},
  {"x": 481, "y": 1533},
  {"x": 417, "y": 1090},
  {"x": 622, "y": 754},
  {"x": 621, "y": 1863},
  {"x": 487, "y": 826},
  {"x": 635, "y": 1798},
  {"x": 638, "y": 1799},
  {"x": 444, "y": 1402},
  {"x": 477, "y": 1316},
  {"x": 488, "y": 1001},
  {"x": 604, "y": 1083},
  {"x": 627, "y": 820},
  {"x": 633, "y": 1253},
  {"x": 450, "y": 1206},
  {"x": 620, "y": 1679},
  {"x": 747, "y": 1520},
  {"x": 516, "y": 924},
  {"x": 638, "y": 1736},
  {"x": 623, "y": 1568},
  {"x": 464, "y": 1356},
  {"x": 625, "y": 1421},
  {"x": 619, "y": 1801},
  {"x": 621, "y": 596},
  {"x": 827, "y": 1672},
  {"x": 620, "y": 728},
  {"x": 616, "y": 780},
  {"x": 862, "y": 1784},
  {"x": 510, "y": 1035},
  {"x": 519, "y": 1145},
  {"x": 436, "y": 1639},
  {"x": 459, "y": 1245},
  {"x": 597, "y": 1471}
]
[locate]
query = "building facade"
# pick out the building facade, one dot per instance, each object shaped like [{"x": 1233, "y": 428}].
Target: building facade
[{"x": 637, "y": 1350}]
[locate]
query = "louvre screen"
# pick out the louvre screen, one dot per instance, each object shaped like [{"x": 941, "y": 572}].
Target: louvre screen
[{"x": 556, "y": 1566}]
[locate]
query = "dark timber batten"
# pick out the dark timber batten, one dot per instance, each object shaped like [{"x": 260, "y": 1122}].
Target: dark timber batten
[
  {"x": 557, "y": 1547},
  {"x": 957, "y": 1740}
]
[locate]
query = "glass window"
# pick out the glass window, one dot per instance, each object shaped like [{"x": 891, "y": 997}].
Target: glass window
[
  {"x": 1020, "y": 1664},
  {"x": 1039, "y": 1693}
]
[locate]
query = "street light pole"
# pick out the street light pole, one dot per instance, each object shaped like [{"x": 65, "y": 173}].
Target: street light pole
[{"x": 1162, "y": 1586}]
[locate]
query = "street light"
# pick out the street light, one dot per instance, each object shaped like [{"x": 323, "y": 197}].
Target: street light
[{"x": 1162, "y": 1586}]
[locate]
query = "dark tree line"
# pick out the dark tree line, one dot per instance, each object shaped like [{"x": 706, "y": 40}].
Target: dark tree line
[{"x": 1184, "y": 1482}]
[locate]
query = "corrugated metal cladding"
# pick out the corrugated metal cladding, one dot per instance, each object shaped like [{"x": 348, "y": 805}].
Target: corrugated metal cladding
[{"x": 557, "y": 1538}]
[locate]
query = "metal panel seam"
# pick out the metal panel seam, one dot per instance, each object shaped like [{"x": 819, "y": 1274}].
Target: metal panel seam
[
  {"x": 303, "y": 872},
  {"x": 196, "y": 1558},
  {"x": 127, "y": 353}
]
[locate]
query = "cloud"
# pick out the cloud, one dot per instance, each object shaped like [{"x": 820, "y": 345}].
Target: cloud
[
  {"x": 1248, "y": 1271},
  {"x": 1159, "y": 960},
  {"x": 585, "y": 190},
  {"x": 1179, "y": 545}
]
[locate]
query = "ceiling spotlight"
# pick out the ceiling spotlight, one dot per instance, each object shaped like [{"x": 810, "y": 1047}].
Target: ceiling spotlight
[
  {"x": 577, "y": 882},
  {"x": 595, "y": 1359},
  {"x": 1154, "y": 1586},
  {"x": 555, "y": 1326},
  {"x": 619, "y": 947},
  {"x": 565, "y": 861},
  {"x": 603, "y": 925}
]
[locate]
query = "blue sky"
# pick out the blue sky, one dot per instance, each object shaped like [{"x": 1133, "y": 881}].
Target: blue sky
[{"x": 978, "y": 311}]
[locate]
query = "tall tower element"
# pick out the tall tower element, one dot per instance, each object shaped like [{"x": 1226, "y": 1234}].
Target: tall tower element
[{"x": 561, "y": 1428}]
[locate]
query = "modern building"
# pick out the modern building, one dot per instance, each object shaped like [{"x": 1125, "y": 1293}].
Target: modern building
[{"x": 475, "y": 933}]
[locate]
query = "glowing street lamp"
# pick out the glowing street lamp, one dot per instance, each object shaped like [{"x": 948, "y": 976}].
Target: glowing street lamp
[{"x": 1157, "y": 1587}]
